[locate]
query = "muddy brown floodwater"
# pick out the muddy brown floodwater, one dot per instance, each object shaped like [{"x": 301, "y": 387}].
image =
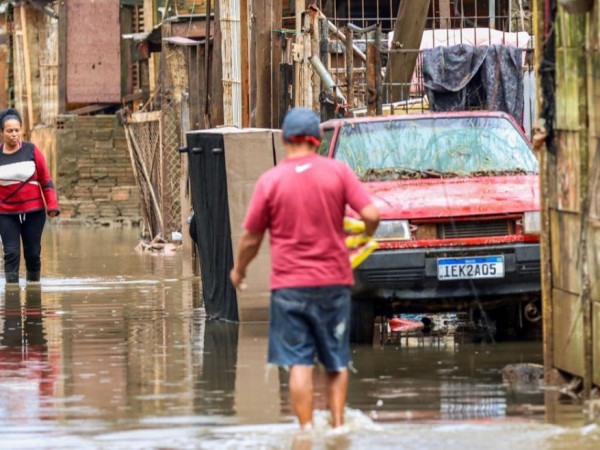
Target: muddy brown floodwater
[{"x": 113, "y": 351}]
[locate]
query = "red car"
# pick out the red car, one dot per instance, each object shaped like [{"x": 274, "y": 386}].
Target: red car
[{"x": 459, "y": 200}]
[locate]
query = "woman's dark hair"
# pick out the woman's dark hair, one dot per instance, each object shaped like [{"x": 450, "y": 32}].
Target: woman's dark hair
[{"x": 9, "y": 114}]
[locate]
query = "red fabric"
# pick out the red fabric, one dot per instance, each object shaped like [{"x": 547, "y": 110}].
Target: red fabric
[
  {"x": 310, "y": 139},
  {"x": 302, "y": 202},
  {"x": 18, "y": 195}
]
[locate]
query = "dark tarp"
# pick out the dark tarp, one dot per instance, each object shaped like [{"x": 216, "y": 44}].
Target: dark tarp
[
  {"x": 210, "y": 201},
  {"x": 224, "y": 165},
  {"x": 463, "y": 77}
]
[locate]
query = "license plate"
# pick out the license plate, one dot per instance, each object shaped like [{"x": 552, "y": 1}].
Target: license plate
[{"x": 470, "y": 268}]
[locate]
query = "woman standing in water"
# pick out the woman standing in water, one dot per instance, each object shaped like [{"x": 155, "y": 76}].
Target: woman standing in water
[{"x": 26, "y": 193}]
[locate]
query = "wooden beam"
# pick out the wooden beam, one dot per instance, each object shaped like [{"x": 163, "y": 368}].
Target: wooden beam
[
  {"x": 95, "y": 108},
  {"x": 276, "y": 40},
  {"x": 408, "y": 31}
]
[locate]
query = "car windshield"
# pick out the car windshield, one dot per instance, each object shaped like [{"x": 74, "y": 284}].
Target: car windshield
[{"x": 435, "y": 148}]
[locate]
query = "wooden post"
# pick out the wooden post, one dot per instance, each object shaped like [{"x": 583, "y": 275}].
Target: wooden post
[
  {"x": 245, "y": 57},
  {"x": 315, "y": 50},
  {"x": 195, "y": 87},
  {"x": 445, "y": 14},
  {"x": 208, "y": 75},
  {"x": 307, "y": 93},
  {"x": 298, "y": 52},
  {"x": 27, "y": 62},
  {"x": 148, "y": 25},
  {"x": 276, "y": 46},
  {"x": 349, "y": 67},
  {"x": 408, "y": 31},
  {"x": 145, "y": 79},
  {"x": 372, "y": 67},
  {"x": 262, "y": 10},
  {"x": 286, "y": 82},
  {"x": 545, "y": 251},
  {"x": 378, "y": 77},
  {"x": 62, "y": 57},
  {"x": 326, "y": 108}
]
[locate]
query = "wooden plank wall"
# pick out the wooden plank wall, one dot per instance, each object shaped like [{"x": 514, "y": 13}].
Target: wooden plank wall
[
  {"x": 35, "y": 66},
  {"x": 571, "y": 180},
  {"x": 593, "y": 220},
  {"x": 565, "y": 195}
]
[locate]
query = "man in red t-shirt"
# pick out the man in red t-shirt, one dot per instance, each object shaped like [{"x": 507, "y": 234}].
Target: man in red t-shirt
[{"x": 302, "y": 202}]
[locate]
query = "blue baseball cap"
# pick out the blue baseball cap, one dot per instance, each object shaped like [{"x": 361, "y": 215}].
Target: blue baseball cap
[{"x": 301, "y": 124}]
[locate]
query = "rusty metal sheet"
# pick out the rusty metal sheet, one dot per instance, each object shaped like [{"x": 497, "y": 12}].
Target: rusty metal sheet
[
  {"x": 567, "y": 327},
  {"x": 93, "y": 51}
]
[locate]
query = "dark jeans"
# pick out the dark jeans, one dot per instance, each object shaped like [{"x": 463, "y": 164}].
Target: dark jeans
[{"x": 27, "y": 227}]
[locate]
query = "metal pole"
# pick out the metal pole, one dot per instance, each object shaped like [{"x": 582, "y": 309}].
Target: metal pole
[{"x": 327, "y": 79}]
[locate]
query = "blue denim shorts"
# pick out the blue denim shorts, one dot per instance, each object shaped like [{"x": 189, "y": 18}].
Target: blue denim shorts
[{"x": 308, "y": 324}]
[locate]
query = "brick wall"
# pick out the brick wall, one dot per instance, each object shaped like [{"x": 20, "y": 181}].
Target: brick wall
[{"x": 94, "y": 178}]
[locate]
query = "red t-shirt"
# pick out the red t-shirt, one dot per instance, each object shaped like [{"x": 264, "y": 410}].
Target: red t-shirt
[{"x": 302, "y": 202}]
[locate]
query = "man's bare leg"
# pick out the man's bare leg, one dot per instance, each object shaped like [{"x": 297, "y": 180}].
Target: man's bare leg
[
  {"x": 337, "y": 388},
  {"x": 301, "y": 393}
]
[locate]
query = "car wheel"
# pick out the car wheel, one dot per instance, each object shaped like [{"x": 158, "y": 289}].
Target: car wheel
[{"x": 362, "y": 321}]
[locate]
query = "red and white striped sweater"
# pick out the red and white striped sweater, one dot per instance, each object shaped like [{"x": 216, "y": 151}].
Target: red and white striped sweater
[{"x": 25, "y": 182}]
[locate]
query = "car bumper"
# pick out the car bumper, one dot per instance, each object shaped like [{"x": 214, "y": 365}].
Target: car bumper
[{"x": 411, "y": 274}]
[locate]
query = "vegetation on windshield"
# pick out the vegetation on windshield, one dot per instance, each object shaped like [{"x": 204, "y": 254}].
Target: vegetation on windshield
[{"x": 435, "y": 148}]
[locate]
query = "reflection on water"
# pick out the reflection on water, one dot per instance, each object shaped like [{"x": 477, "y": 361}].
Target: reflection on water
[
  {"x": 113, "y": 351},
  {"x": 26, "y": 373}
]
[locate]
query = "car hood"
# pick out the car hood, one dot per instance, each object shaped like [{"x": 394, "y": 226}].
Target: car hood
[{"x": 455, "y": 197}]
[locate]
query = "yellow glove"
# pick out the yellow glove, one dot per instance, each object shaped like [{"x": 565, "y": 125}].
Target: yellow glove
[
  {"x": 357, "y": 240},
  {"x": 359, "y": 256},
  {"x": 353, "y": 226}
]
